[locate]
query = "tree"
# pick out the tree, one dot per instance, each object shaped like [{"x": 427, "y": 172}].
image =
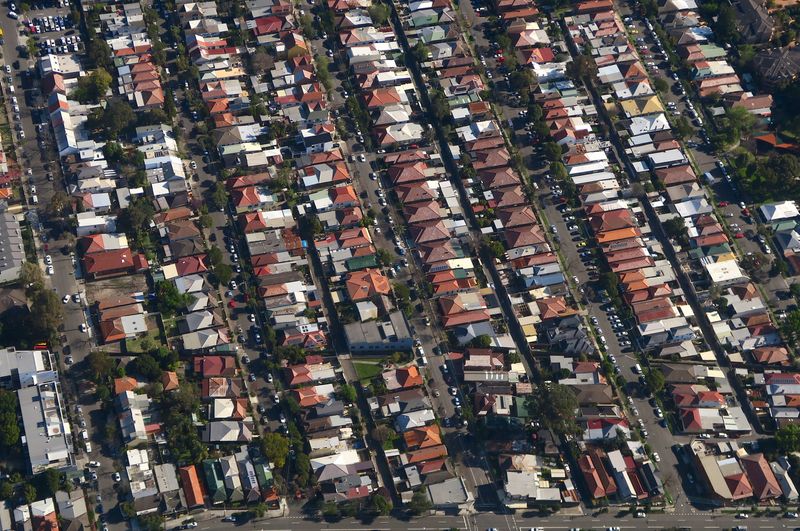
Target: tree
[
  {"x": 46, "y": 314},
  {"x": 380, "y": 505},
  {"x": 31, "y": 46},
  {"x": 92, "y": 87},
  {"x": 219, "y": 196},
  {"x": 379, "y": 13},
  {"x": 275, "y": 447},
  {"x": 661, "y": 85},
  {"x": 683, "y": 128},
  {"x": 420, "y": 503},
  {"x": 482, "y": 341},
  {"x": 788, "y": 438},
  {"x": 331, "y": 511},
  {"x": 6, "y": 490},
  {"x": 347, "y": 393},
  {"x": 99, "y": 52},
  {"x": 224, "y": 273},
  {"x": 795, "y": 290},
  {"x": 741, "y": 119},
  {"x": 497, "y": 249},
  {"x": 116, "y": 117},
  {"x": 31, "y": 276},
  {"x": 146, "y": 366},
  {"x": 214, "y": 255},
  {"x": 9, "y": 422},
  {"x": 790, "y": 327},
  {"x": 100, "y": 364},
  {"x": 420, "y": 52},
  {"x": 558, "y": 171},
  {"x": 113, "y": 151},
  {"x": 725, "y": 26},
  {"x": 552, "y": 151},
  {"x": 169, "y": 300},
  {"x": 323, "y": 74},
  {"x": 655, "y": 379},
  {"x": 554, "y": 405},
  {"x": 302, "y": 467},
  {"x": 384, "y": 257},
  {"x": 151, "y": 522},
  {"x": 383, "y": 433},
  {"x": 47, "y": 483},
  {"x": 58, "y": 204},
  {"x": 29, "y": 493}
]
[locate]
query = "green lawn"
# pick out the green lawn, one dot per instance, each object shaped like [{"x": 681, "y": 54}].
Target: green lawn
[
  {"x": 134, "y": 346},
  {"x": 367, "y": 370}
]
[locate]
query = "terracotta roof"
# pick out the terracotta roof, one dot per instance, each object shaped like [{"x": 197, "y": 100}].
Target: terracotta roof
[
  {"x": 169, "y": 380},
  {"x": 367, "y": 283},
  {"x": 126, "y": 383},
  {"x": 423, "y": 437}
]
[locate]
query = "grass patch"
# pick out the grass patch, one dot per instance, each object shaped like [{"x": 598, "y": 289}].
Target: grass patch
[
  {"x": 143, "y": 344},
  {"x": 367, "y": 370}
]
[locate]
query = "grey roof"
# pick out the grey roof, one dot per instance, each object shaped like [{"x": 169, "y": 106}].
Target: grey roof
[
  {"x": 12, "y": 251},
  {"x": 450, "y": 492},
  {"x": 47, "y": 444}
]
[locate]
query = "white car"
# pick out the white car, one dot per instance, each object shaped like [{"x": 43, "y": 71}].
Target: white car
[
  {"x": 233, "y": 284},
  {"x": 65, "y": 299},
  {"x": 83, "y": 327},
  {"x": 48, "y": 259},
  {"x": 362, "y": 158},
  {"x": 50, "y": 270}
]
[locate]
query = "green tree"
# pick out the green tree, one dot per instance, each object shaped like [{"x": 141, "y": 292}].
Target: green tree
[
  {"x": 347, "y": 393},
  {"x": 6, "y": 490},
  {"x": 331, "y": 511},
  {"x": 554, "y": 405},
  {"x": 92, "y": 87},
  {"x": 380, "y": 505},
  {"x": 675, "y": 228},
  {"x": 275, "y": 447},
  {"x": 46, "y": 314},
  {"x": 661, "y": 84},
  {"x": 219, "y": 196},
  {"x": 31, "y": 46},
  {"x": 136, "y": 217},
  {"x": 224, "y": 273},
  {"x": 169, "y": 300},
  {"x": 420, "y": 503},
  {"x": 9, "y": 422},
  {"x": 790, "y": 327},
  {"x": 482, "y": 341},
  {"x": 31, "y": 277},
  {"x": 558, "y": 171},
  {"x": 99, "y": 52},
  {"x": 552, "y": 151},
  {"x": 656, "y": 380},
  {"x": 302, "y": 467},
  {"x": 379, "y": 13},
  {"x": 58, "y": 204},
  {"x": 497, "y": 249},
  {"x": 788, "y": 439},
  {"x": 100, "y": 364},
  {"x": 146, "y": 366},
  {"x": 113, "y": 151},
  {"x": 420, "y": 52},
  {"x": 151, "y": 522},
  {"x": 29, "y": 493},
  {"x": 683, "y": 128},
  {"x": 214, "y": 255}
]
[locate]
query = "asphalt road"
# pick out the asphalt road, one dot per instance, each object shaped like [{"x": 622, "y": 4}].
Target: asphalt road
[{"x": 508, "y": 522}]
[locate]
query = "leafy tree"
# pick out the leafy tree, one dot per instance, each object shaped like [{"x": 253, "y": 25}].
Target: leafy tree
[
  {"x": 136, "y": 217},
  {"x": 92, "y": 87},
  {"x": 100, "y": 365},
  {"x": 6, "y": 490},
  {"x": 661, "y": 84},
  {"x": 788, "y": 438},
  {"x": 558, "y": 171},
  {"x": 420, "y": 503},
  {"x": 31, "y": 276},
  {"x": 219, "y": 196},
  {"x": 47, "y": 483},
  {"x": 58, "y": 204},
  {"x": 323, "y": 73},
  {"x": 116, "y": 117},
  {"x": 151, "y": 522},
  {"x": 99, "y": 52},
  {"x": 214, "y": 255},
  {"x": 380, "y": 505},
  {"x": 683, "y": 128},
  {"x": 29, "y": 493},
  {"x": 554, "y": 405},
  {"x": 302, "y": 465},
  {"x": 552, "y": 151},
  {"x": 9, "y": 422},
  {"x": 379, "y": 13},
  {"x": 347, "y": 393},
  {"x": 795, "y": 290},
  {"x": 46, "y": 314},
  {"x": 169, "y": 300},
  {"x": 275, "y": 447},
  {"x": 384, "y": 257},
  {"x": 224, "y": 273},
  {"x": 675, "y": 228},
  {"x": 497, "y": 249},
  {"x": 331, "y": 511},
  {"x": 725, "y": 26},
  {"x": 383, "y": 433},
  {"x": 790, "y": 327},
  {"x": 656, "y": 380},
  {"x": 482, "y": 341},
  {"x": 146, "y": 366},
  {"x": 420, "y": 52},
  {"x": 113, "y": 151}
]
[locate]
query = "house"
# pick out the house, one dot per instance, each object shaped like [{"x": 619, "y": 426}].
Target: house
[
  {"x": 777, "y": 67},
  {"x": 192, "y": 488},
  {"x": 366, "y": 284},
  {"x": 12, "y": 253},
  {"x": 753, "y": 21},
  {"x": 402, "y": 377},
  {"x": 227, "y": 431},
  {"x": 113, "y": 263},
  {"x": 315, "y": 369}
]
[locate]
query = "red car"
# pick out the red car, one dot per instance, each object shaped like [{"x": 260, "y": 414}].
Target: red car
[
  {"x": 723, "y": 204},
  {"x": 745, "y": 212},
  {"x": 739, "y": 235}
]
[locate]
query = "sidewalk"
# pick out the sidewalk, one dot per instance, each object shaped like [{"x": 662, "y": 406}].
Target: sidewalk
[{"x": 218, "y": 514}]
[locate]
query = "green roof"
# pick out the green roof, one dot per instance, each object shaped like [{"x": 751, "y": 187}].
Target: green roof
[
  {"x": 361, "y": 262},
  {"x": 264, "y": 475},
  {"x": 214, "y": 482},
  {"x": 520, "y": 409}
]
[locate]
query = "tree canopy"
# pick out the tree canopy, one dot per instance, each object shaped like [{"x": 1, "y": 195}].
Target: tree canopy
[
  {"x": 92, "y": 87},
  {"x": 554, "y": 406},
  {"x": 276, "y": 448}
]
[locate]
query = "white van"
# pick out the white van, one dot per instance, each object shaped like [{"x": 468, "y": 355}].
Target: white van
[{"x": 637, "y": 369}]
